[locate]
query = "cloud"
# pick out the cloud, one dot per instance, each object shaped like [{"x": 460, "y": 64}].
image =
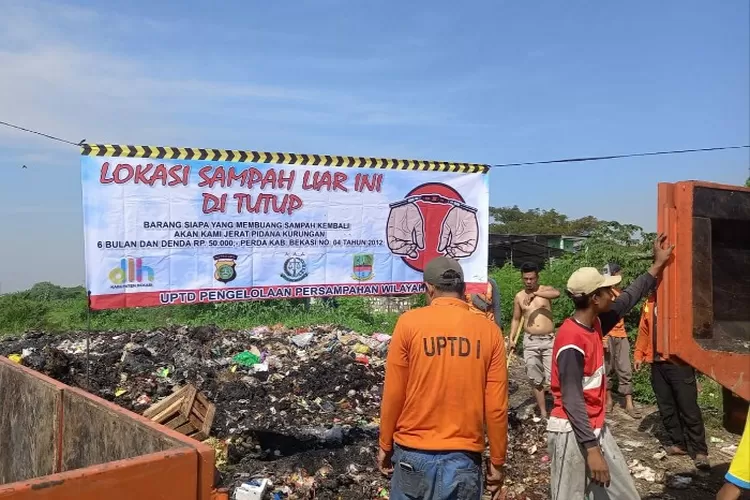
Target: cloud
[{"x": 61, "y": 76}]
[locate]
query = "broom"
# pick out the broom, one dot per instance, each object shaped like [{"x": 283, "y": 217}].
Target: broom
[{"x": 511, "y": 348}]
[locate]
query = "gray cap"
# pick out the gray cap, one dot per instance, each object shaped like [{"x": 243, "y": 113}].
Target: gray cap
[
  {"x": 611, "y": 269},
  {"x": 443, "y": 271}
]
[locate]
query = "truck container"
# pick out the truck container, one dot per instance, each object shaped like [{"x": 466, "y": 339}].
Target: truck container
[
  {"x": 703, "y": 300},
  {"x": 58, "y": 442}
]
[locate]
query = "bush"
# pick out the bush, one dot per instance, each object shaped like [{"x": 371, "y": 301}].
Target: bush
[{"x": 53, "y": 308}]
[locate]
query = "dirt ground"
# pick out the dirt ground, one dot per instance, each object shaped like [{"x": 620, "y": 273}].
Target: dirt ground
[{"x": 304, "y": 412}]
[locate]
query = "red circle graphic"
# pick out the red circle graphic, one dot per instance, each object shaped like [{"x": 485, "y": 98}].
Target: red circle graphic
[{"x": 433, "y": 214}]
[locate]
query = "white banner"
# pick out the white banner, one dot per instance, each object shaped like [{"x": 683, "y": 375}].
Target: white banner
[{"x": 163, "y": 230}]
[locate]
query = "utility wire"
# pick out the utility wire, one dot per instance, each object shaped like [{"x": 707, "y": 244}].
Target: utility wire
[
  {"x": 615, "y": 157},
  {"x": 499, "y": 165},
  {"x": 40, "y": 133}
]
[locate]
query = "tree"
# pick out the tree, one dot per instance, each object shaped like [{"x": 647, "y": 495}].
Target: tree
[
  {"x": 625, "y": 244},
  {"x": 747, "y": 183},
  {"x": 513, "y": 220}
]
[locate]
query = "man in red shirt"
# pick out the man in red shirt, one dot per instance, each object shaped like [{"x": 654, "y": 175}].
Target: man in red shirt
[{"x": 585, "y": 458}]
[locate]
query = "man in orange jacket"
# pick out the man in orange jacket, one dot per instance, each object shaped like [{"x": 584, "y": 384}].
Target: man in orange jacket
[
  {"x": 446, "y": 386},
  {"x": 487, "y": 304},
  {"x": 617, "y": 355},
  {"x": 676, "y": 392}
]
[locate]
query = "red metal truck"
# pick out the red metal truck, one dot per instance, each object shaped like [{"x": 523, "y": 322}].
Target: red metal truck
[
  {"x": 58, "y": 442},
  {"x": 704, "y": 295}
]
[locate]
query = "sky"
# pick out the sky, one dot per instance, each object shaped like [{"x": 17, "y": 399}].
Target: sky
[{"x": 485, "y": 82}]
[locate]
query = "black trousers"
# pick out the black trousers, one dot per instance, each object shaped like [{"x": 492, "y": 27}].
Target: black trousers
[{"x": 677, "y": 398}]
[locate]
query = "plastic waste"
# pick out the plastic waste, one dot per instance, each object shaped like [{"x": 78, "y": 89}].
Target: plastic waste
[
  {"x": 332, "y": 436},
  {"x": 680, "y": 482},
  {"x": 253, "y": 490},
  {"x": 16, "y": 358},
  {"x": 362, "y": 358},
  {"x": 246, "y": 358},
  {"x": 302, "y": 340},
  {"x": 361, "y": 349},
  {"x": 381, "y": 337},
  {"x": 143, "y": 400},
  {"x": 641, "y": 471}
]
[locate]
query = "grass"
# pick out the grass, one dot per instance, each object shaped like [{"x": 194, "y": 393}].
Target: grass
[
  {"x": 64, "y": 310},
  {"x": 50, "y": 308}
]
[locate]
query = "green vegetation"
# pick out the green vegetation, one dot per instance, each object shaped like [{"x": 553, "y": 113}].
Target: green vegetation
[
  {"x": 513, "y": 220},
  {"x": 47, "y": 307}
]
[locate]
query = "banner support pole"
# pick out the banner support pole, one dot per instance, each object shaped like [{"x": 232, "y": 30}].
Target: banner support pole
[{"x": 88, "y": 339}]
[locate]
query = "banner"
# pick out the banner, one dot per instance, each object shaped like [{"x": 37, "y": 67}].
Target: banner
[{"x": 182, "y": 226}]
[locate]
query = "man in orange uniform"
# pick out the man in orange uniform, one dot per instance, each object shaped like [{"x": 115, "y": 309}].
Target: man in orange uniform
[
  {"x": 445, "y": 381},
  {"x": 617, "y": 355},
  {"x": 486, "y": 304},
  {"x": 676, "y": 392}
]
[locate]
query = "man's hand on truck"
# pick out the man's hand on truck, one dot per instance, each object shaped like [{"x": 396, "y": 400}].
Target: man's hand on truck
[{"x": 662, "y": 254}]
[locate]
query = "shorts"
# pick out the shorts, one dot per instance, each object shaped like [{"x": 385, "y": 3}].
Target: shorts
[{"x": 537, "y": 356}]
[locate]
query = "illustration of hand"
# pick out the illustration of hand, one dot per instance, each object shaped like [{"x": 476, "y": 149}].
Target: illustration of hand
[
  {"x": 460, "y": 233},
  {"x": 405, "y": 229}
]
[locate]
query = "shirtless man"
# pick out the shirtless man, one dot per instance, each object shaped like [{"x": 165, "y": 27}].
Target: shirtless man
[{"x": 534, "y": 304}]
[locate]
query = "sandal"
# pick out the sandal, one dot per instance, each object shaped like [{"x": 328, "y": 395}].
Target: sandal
[{"x": 701, "y": 462}]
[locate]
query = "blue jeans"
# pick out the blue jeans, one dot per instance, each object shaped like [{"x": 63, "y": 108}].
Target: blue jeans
[{"x": 436, "y": 475}]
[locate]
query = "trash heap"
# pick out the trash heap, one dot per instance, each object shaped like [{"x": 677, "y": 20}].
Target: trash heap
[
  {"x": 296, "y": 408},
  {"x": 528, "y": 465}
]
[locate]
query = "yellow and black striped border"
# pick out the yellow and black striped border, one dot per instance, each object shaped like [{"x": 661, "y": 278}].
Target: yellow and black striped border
[{"x": 233, "y": 155}]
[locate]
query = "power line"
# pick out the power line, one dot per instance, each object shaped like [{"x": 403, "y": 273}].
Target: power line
[
  {"x": 615, "y": 157},
  {"x": 499, "y": 165},
  {"x": 18, "y": 127}
]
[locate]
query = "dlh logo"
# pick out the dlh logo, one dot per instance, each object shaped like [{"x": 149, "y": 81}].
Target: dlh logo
[{"x": 131, "y": 274}]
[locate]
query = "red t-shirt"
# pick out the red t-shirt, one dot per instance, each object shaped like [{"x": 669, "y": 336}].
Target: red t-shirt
[{"x": 573, "y": 335}]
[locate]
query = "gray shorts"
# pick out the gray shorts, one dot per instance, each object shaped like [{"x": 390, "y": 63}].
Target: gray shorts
[
  {"x": 617, "y": 364},
  {"x": 537, "y": 356}
]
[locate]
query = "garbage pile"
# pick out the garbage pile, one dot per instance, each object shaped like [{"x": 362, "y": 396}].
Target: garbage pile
[
  {"x": 528, "y": 464},
  {"x": 296, "y": 410}
]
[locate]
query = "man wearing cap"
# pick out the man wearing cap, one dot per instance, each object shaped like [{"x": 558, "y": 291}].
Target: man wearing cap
[
  {"x": 585, "y": 458},
  {"x": 617, "y": 355},
  {"x": 445, "y": 383},
  {"x": 676, "y": 390}
]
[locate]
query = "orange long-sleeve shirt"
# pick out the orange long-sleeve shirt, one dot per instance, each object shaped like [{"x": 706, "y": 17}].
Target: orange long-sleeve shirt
[
  {"x": 618, "y": 331},
  {"x": 644, "y": 343},
  {"x": 446, "y": 378}
]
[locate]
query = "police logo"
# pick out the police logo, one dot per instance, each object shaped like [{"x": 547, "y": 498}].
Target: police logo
[
  {"x": 295, "y": 269},
  {"x": 226, "y": 264}
]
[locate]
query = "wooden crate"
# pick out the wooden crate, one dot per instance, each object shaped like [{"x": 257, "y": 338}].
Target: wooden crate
[{"x": 187, "y": 411}]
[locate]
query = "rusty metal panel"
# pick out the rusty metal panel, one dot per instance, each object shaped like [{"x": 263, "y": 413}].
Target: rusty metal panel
[
  {"x": 94, "y": 435},
  {"x": 28, "y": 425},
  {"x": 704, "y": 295}
]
